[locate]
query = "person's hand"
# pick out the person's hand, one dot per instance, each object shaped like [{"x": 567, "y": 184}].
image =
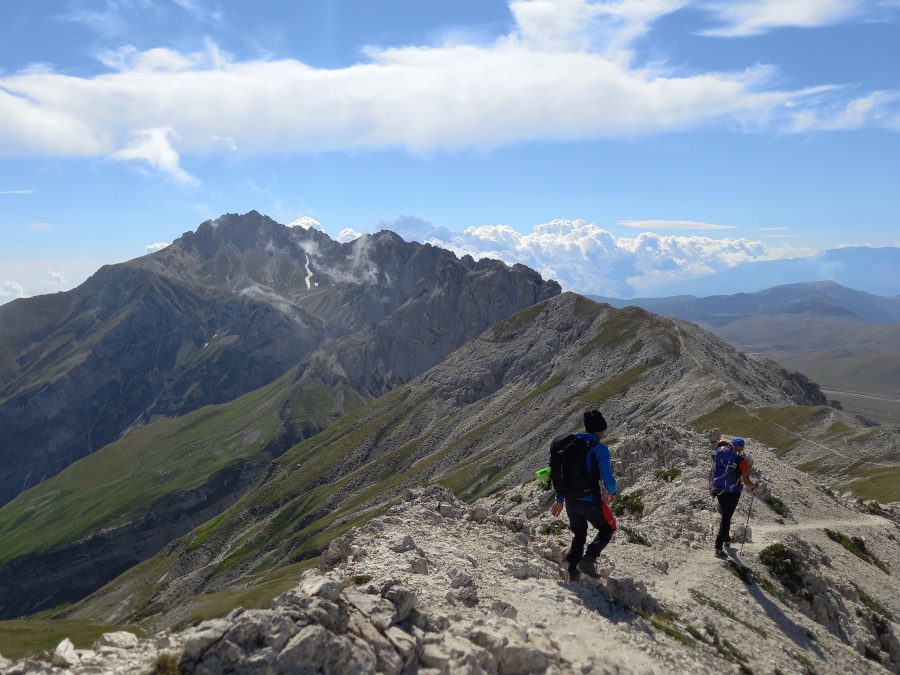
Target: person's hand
[
  {"x": 556, "y": 509},
  {"x": 612, "y": 499}
]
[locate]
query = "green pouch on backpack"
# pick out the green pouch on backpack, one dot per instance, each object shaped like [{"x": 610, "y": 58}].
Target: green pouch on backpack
[{"x": 543, "y": 476}]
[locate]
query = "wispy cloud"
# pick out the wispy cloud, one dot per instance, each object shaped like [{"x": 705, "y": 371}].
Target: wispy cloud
[
  {"x": 781, "y": 236},
  {"x": 39, "y": 226},
  {"x": 873, "y": 109},
  {"x": 154, "y": 146},
  {"x": 673, "y": 225},
  {"x": 16, "y": 192},
  {"x": 741, "y": 18},
  {"x": 202, "y": 12},
  {"x": 771, "y": 229}
]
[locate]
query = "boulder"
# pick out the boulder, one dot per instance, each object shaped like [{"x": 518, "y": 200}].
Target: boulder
[
  {"x": 402, "y": 544},
  {"x": 120, "y": 639},
  {"x": 65, "y": 655}
]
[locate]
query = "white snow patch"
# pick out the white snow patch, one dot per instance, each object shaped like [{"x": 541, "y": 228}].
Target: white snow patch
[{"x": 309, "y": 274}]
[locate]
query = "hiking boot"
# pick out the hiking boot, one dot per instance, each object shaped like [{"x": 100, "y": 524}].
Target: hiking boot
[
  {"x": 721, "y": 554},
  {"x": 588, "y": 565},
  {"x": 574, "y": 574},
  {"x": 727, "y": 543}
]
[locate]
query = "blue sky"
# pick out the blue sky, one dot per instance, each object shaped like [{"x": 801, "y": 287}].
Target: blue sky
[{"x": 665, "y": 139}]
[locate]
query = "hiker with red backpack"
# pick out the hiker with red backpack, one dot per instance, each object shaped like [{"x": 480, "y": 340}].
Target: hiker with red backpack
[
  {"x": 578, "y": 462},
  {"x": 729, "y": 470}
]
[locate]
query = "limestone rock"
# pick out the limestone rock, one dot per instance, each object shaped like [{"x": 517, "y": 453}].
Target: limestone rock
[{"x": 120, "y": 639}]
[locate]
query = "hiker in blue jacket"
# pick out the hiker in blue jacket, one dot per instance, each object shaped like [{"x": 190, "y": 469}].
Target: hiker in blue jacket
[
  {"x": 590, "y": 508},
  {"x": 730, "y": 469}
]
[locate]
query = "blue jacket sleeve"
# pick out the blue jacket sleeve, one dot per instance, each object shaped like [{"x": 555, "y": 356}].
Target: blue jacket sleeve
[
  {"x": 604, "y": 461},
  {"x": 559, "y": 498}
]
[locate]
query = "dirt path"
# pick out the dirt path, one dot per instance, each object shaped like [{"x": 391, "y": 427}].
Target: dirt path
[{"x": 697, "y": 566}]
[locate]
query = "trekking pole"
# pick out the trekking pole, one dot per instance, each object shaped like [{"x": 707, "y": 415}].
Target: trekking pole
[{"x": 747, "y": 524}]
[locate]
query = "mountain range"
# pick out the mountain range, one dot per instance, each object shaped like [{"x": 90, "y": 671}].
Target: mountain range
[
  {"x": 842, "y": 338},
  {"x": 872, "y": 270},
  {"x": 223, "y": 311},
  {"x": 300, "y": 385}
]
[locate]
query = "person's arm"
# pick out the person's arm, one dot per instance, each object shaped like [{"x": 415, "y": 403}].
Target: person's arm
[
  {"x": 744, "y": 467},
  {"x": 604, "y": 461}
]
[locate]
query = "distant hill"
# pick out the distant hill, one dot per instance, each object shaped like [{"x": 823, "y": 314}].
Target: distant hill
[
  {"x": 844, "y": 339},
  {"x": 873, "y": 270}
]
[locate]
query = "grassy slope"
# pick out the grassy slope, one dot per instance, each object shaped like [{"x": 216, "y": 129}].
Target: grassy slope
[
  {"x": 762, "y": 424},
  {"x": 110, "y": 486},
  {"x": 24, "y": 637},
  {"x": 315, "y": 495}
]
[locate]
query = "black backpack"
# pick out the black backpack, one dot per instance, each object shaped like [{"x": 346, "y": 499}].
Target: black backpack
[{"x": 568, "y": 469}]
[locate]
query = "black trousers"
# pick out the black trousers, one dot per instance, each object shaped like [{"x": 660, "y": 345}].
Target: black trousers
[
  {"x": 580, "y": 514},
  {"x": 728, "y": 502}
]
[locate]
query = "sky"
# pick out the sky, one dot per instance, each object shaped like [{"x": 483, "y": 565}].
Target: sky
[{"x": 683, "y": 137}]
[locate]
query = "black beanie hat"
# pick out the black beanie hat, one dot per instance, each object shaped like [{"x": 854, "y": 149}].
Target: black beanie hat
[{"x": 594, "y": 421}]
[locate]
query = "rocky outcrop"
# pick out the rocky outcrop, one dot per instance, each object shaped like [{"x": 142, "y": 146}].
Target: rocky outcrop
[{"x": 438, "y": 586}]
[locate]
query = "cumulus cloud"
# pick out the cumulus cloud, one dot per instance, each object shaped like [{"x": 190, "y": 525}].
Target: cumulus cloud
[
  {"x": 57, "y": 278},
  {"x": 674, "y": 225},
  {"x": 590, "y": 259},
  {"x": 424, "y": 98},
  {"x": 752, "y": 17},
  {"x": 154, "y": 146},
  {"x": 348, "y": 234},
  {"x": 307, "y": 223},
  {"x": 10, "y": 290},
  {"x": 158, "y": 246}
]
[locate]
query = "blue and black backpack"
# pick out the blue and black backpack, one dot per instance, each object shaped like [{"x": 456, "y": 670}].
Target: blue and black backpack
[
  {"x": 569, "y": 472},
  {"x": 726, "y": 474}
]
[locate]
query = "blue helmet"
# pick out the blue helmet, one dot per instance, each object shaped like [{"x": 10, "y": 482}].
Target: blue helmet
[{"x": 737, "y": 441}]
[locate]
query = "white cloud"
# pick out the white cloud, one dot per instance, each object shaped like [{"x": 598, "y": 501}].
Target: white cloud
[
  {"x": 854, "y": 114},
  {"x": 9, "y": 290},
  {"x": 564, "y": 72},
  {"x": 587, "y": 258},
  {"x": 771, "y": 229},
  {"x": 32, "y": 277},
  {"x": 153, "y": 60},
  {"x": 39, "y": 226},
  {"x": 16, "y": 192},
  {"x": 347, "y": 235},
  {"x": 154, "y": 146},
  {"x": 752, "y": 17},
  {"x": 158, "y": 246},
  {"x": 673, "y": 225},
  {"x": 307, "y": 223}
]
